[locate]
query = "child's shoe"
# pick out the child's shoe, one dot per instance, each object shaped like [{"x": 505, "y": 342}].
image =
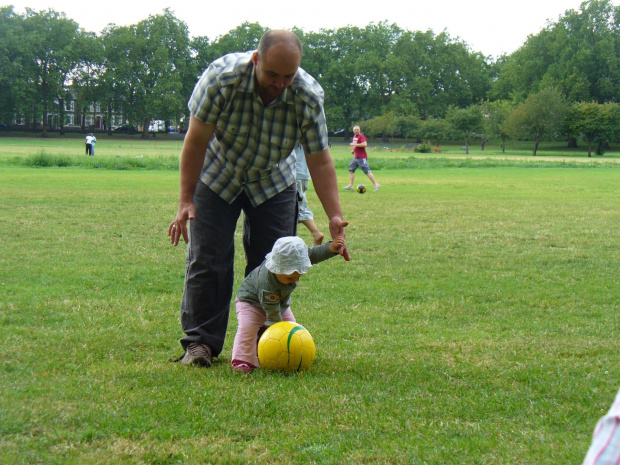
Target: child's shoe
[{"x": 239, "y": 365}]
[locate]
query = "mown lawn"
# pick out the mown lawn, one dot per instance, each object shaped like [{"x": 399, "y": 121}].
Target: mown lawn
[{"x": 476, "y": 323}]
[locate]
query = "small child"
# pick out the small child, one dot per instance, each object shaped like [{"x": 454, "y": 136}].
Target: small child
[{"x": 264, "y": 295}]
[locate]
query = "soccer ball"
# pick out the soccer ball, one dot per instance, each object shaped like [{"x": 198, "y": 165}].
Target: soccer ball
[
  {"x": 286, "y": 346},
  {"x": 361, "y": 188}
]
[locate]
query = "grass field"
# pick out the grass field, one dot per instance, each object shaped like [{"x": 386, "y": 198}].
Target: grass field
[
  {"x": 170, "y": 146},
  {"x": 477, "y": 323}
]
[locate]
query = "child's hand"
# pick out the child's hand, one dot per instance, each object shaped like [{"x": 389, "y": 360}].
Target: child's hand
[{"x": 336, "y": 244}]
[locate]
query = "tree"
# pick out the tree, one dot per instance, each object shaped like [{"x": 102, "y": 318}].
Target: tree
[
  {"x": 51, "y": 38},
  {"x": 497, "y": 114},
  {"x": 435, "y": 129},
  {"x": 120, "y": 78},
  {"x": 384, "y": 125},
  {"x": 408, "y": 126},
  {"x": 87, "y": 77},
  {"x": 148, "y": 64},
  {"x": 540, "y": 116},
  {"x": 164, "y": 45},
  {"x": 243, "y": 38},
  {"x": 13, "y": 55},
  {"x": 595, "y": 123},
  {"x": 331, "y": 57},
  {"x": 467, "y": 122},
  {"x": 578, "y": 55}
]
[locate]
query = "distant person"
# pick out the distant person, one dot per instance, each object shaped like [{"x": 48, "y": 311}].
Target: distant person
[
  {"x": 92, "y": 144},
  {"x": 89, "y": 144},
  {"x": 305, "y": 215},
  {"x": 360, "y": 159},
  {"x": 605, "y": 447},
  {"x": 265, "y": 294},
  {"x": 248, "y": 111}
]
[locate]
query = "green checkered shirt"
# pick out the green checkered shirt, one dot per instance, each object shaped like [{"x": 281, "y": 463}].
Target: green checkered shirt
[{"x": 252, "y": 146}]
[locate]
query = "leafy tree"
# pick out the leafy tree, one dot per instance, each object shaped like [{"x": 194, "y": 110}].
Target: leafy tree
[
  {"x": 409, "y": 126},
  {"x": 13, "y": 56},
  {"x": 120, "y": 77},
  {"x": 540, "y": 116},
  {"x": 87, "y": 77},
  {"x": 147, "y": 63},
  {"x": 384, "y": 125},
  {"x": 578, "y": 55},
  {"x": 375, "y": 65},
  {"x": 432, "y": 72},
  {"x": 467, "y": 122},
  {"x": 243, "y": 38},
  {"x": 435, "y": 129},
  {"x": 51, "y": 38},
  {"x": 595, "y": 123},
  {"x": 164, "y": 40},
  {"x": 331, "y": 57},
  {"x": 497, "y": 114}
]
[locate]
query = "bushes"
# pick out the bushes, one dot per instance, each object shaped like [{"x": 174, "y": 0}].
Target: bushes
[
  {"x": 423, "y": 148},
  {"x": 43, "y": 160}
]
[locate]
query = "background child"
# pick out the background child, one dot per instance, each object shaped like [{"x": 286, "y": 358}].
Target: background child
[{"x": 264, "y": 295}]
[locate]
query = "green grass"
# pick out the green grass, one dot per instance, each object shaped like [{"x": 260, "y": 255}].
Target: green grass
[
  {"x": 131, "y": 152},
  {"x": 475, "y": 324}
]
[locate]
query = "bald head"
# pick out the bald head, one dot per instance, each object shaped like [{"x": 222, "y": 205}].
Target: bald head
[
  {"x": 285, "y": 39},
  {"x": 276, "y": 62}
]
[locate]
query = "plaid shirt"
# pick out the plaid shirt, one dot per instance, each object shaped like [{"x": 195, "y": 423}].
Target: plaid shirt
[{"x": 252, "y": 146}]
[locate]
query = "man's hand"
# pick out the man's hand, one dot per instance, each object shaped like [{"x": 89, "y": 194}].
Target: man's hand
[
  {"x": 192, "y": 160},
  {"x": 178, "y": 227},
  {"x": 336, "y": 229}
]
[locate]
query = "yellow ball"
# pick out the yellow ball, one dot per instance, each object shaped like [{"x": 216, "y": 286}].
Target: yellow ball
[{"x": 286, "y": 346}]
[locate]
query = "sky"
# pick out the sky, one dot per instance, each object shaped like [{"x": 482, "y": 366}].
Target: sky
[{"x": 492, "y": 27}]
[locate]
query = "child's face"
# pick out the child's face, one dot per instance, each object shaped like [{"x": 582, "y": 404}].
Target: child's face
[{"x": 288, "y": 278}]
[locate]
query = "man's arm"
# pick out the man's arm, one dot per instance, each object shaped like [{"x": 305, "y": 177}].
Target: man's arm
[
  {"x": 192, "y": 159},
  {"x": 323, "y": 174}
]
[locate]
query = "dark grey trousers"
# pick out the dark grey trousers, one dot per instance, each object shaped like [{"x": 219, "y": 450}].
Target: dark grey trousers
[{"x": 209, "y": 273}]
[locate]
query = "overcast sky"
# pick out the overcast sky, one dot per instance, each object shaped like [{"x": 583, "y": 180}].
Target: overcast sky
[{"x": 492, "y": 27}]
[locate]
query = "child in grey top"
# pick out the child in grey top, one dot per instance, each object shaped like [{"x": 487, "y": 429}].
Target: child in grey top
[{"x": 264, "y": 295}]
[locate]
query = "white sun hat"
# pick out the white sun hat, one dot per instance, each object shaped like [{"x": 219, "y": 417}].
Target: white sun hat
[{"x": 289, "y": 254}]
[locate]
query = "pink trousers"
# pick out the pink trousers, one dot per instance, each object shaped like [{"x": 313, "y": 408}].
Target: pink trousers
[{"x": 250, "y": 320}]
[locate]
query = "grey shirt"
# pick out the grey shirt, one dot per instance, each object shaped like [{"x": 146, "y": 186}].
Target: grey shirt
[{"x": 262, "y": 289}]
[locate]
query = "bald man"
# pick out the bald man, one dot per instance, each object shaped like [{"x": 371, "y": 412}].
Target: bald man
[{"x": 248, "y": 112}]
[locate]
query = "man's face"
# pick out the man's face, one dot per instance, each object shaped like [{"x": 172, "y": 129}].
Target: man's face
[
  {"x": 356, "y": 131},
  {"x": 275, "y": 70}
]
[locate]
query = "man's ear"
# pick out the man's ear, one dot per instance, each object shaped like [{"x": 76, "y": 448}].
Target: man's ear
[{"x": 255, "y": 58}]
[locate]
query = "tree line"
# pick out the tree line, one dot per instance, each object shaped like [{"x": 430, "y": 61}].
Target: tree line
[{"x": 413, "y": 83}]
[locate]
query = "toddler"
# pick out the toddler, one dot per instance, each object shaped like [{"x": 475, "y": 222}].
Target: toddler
[{"x": 264, "y": 295}]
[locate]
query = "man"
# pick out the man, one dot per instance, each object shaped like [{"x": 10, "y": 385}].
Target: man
[
  {"x": 248, "y": 112},
  {"x": 89, "y": 144},
  {"x": 360, "y": 159},
  {"x": 93, "y": 141}
]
